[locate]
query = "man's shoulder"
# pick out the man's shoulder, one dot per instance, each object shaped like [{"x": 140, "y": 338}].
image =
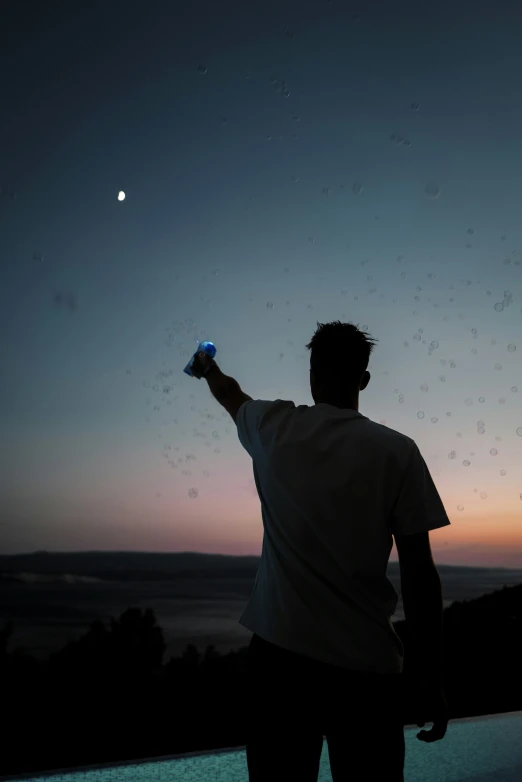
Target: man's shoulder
[
  {"x": 274, "y": 405},
  {"x": 264, "y": 411},
  {"x": 394, "y": 439}
]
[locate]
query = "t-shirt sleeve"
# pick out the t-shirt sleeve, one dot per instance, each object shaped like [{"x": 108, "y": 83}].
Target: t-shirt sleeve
[
  {"x": 418, "y": 507},
  {"x": 251, "y": 415}
]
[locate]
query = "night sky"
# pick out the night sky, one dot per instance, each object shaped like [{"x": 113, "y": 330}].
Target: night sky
[{"x": 283, "y": 163}]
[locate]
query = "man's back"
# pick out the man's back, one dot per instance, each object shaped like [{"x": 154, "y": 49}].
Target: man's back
[{"x": 334, "y": 486}]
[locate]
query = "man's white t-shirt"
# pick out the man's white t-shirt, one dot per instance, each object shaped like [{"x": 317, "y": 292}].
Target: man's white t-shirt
[{"x": 334, "y": 487}]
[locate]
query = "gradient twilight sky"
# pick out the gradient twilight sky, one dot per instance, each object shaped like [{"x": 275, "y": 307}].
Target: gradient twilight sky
[{"x": 245, "y": 223}]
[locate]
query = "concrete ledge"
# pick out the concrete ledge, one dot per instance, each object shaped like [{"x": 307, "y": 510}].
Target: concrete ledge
[{"x": 201, "y": 753}]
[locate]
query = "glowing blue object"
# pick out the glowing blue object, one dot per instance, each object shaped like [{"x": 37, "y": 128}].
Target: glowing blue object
[{"x": 206, "y": 347}]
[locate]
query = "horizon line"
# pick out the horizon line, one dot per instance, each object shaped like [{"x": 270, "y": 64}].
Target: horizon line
[{"x": 217, "y": 554}]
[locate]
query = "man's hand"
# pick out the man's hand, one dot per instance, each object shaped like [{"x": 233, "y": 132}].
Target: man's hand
[
  {"x": 429, "y": 704},
  {"x": 202, "y": 364}
]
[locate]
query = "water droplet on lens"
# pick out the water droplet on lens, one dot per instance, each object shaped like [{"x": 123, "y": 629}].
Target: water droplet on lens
[
  {"x": 420, "y": 414},
  {"x": 503, "y": 472},
  {"x": 481, "y": 399},
  {"x": 357, "y": 188},
  {"x": 414, "y": 106},
  {"x": 269, "y": 305},
  {"x": 193, "y": 493},
  {"x": 434, "y": 420},
  {"x": 434, "y": 344},
  {"x": 460, "y": 507},
  {"x": 511, "y": 348},
  {"x": 493, "y": 451},
  {"x": 466, "y": 463},
  {"x": 498, "y": 306},
  {"x": 514, "y": 389},
  {"x": 498, "y": 366},
  {"x": 202, "y": 68},
  {"x": 424, "y": 387},
  {"x": 432, "y": 190},
  {"x": 483, "y": 495},
  {"x": 519, "y": 431},
  {"x": 452, "y": 455}
]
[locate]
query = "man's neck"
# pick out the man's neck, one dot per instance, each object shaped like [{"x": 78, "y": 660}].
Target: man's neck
[{"x": 345, "y": 405}]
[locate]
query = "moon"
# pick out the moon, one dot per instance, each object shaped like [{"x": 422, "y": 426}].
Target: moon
[{"x": 121, "y": 196}]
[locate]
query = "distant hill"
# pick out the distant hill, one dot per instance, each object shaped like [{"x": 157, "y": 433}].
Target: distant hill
[{"x": 131, "y": 566}]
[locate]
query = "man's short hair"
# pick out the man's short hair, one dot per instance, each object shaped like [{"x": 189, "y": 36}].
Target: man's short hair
[{"x": 339, "y": 355}]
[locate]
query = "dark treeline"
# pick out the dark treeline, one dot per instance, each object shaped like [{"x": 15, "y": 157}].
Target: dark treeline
[{"x": 110, "y": 696}]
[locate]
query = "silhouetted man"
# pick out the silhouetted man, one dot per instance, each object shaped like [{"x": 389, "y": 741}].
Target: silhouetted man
[{"x": 325, "y": 659}]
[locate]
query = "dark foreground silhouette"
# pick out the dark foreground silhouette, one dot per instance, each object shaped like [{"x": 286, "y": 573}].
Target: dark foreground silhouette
[{"x": 108, "y": 696}]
